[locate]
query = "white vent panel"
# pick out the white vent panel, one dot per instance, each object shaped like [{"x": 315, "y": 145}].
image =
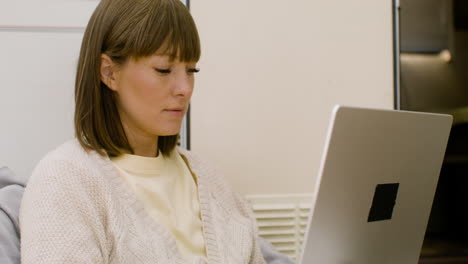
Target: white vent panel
[{"x": 282, "y": 220}]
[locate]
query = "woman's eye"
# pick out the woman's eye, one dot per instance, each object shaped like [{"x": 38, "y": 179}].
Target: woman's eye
[
  {"x": 193, "y": 70},
  {"x": 163, "y": 71}
]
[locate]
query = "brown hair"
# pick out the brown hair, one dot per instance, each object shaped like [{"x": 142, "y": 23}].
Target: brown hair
[{"x": 125, "y": 29}]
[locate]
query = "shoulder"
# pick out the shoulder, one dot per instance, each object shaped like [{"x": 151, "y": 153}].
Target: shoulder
[
  {"x": 67, "y": 179},
  {"x": 67, "y": 202},
  {"x": 69, "y": 165},
  {"x": 69, "y": 151}
]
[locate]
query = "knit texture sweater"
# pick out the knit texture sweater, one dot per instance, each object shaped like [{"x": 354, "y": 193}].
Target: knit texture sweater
[
  {"x": 77, "y": 209},
  {"x": 169, "y": 194}
]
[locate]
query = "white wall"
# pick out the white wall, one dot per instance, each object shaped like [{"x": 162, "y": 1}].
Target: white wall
[
  {"x": 271, "y": 72},
  {"x": 39, "y": 49}
]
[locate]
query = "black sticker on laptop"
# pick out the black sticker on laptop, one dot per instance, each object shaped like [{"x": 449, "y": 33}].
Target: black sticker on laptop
[{"x": 383, "y": 203}]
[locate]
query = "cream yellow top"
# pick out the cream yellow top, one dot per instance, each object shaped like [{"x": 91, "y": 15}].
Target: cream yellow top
[{"x": 169, "y": 194}]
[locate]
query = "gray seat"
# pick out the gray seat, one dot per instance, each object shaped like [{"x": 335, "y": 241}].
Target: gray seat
[{"x": 11, "y": 192}]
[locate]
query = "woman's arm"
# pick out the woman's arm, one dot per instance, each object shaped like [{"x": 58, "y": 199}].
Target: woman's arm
[{"x": 61, "y": 217}]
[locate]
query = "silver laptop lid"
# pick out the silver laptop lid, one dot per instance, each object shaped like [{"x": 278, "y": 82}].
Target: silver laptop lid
[{"x": 375, "y": 187}]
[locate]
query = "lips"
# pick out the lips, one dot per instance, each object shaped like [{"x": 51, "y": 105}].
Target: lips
[
  {"x": 177, "y": 109},
  {"x": 178, "y": 112}
]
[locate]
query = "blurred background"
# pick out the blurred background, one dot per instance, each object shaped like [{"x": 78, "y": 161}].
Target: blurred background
[{"x": 434, "y": 78}]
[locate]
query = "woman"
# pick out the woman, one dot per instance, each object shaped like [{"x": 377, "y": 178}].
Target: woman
[{"x": 121, "y": 192}]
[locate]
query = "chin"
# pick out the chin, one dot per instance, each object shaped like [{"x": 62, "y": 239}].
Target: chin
[
  {"x": 168, "y": 135},
  {"x": 166, "y": 128},
  {"x": 168, "y": 132}
]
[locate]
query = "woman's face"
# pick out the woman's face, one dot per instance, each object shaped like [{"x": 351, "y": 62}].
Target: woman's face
[{"x": 153, "y": 94}]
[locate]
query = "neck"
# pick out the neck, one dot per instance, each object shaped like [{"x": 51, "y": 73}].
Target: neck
[
  {"x": 144, "y": 148},
  {"x": 142, "y": 144}
]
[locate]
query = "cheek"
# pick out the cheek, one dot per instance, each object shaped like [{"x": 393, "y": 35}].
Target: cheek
[
  {"x": 192, "y": 86},
  {"x": 142, "y": 92}
]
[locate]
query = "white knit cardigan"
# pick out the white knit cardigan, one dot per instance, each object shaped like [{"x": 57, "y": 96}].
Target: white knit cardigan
[{"x": 77, "y": 209}]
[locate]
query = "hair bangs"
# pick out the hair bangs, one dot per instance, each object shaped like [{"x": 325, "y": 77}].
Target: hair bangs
[{"x": 167, "y": 31}]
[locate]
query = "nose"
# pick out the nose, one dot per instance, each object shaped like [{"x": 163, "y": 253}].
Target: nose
[{"x": 183, "y": 84}]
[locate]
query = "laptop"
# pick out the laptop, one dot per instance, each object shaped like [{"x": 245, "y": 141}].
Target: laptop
[{"x": 375, "y": 187}]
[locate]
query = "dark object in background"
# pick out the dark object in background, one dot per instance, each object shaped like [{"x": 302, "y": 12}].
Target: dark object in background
[
  {"x": 460, "y": 14},
  {"x": 457, "y": 146},
  {"x": 449, "y": 215}
]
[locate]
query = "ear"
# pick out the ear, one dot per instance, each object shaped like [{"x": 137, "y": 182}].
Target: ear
[{"x": 108, "y": 72}]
